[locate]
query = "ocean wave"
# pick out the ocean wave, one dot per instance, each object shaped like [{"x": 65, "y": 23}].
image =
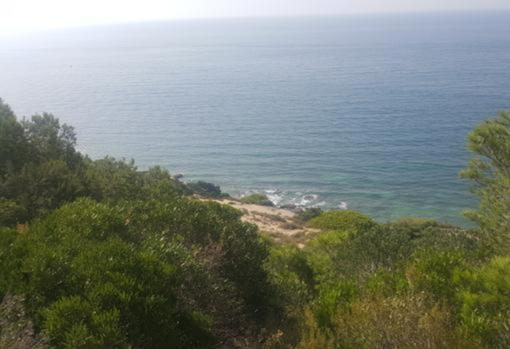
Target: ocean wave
[
  {"x": 343, "y": 205},
  {"x": 274, "y": 195},
  {"x": 296, "y": 199}
]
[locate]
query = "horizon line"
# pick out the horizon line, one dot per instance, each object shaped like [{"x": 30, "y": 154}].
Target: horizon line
[{"x": 256, "y": 17}]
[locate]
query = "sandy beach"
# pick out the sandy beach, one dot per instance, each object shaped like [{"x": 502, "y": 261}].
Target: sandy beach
[{"x": 278, "y": 223}]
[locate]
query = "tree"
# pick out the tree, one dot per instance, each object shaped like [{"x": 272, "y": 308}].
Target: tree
[
  {"x": 13, "y": 144},
  {"x": 41, "y": 188},
  {"x": 51, "y": 140},
  {"x": 490, "y": 173}
]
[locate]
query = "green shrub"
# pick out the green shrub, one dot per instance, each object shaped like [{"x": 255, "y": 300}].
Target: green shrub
[
  {"x": 72, "y": 322},
  {"x": 14, "y": 146},
  {"x": 333, "y": 297},
  {"x": 11, "y": 213},
  {"x": 159, "y": 184},
  {"x": 394, "y": 322},
  {"x": 111, "y": 275},
  {"x": 43, "y": 187},
  {"x": 416, "y": 221},
  {"x": 110, "y": 179},
  {"x": 489, "y": 172},
  {"x": 291, "y": 276},
  {"x": 341, "y": 254},
  {"x": 13, "y": 250},
  {"x": 170, "y": 268},
  {"x": 205, "y": 189},
  {"x": 322, "y": 252},
  {"x": 307, "y": 214},
  {"x": 386, "y": 283},
  {"x": 257, "y": 199},
  {"x": 343, "y": 221},
  {"x": 433, "y": 271},
  {"x": 485, "y": 302}
]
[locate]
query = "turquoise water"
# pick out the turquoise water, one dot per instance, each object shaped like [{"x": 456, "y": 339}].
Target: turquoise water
[{"x": 365, "y": 112}]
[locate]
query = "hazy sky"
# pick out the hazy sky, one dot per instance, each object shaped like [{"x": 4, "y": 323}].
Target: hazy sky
[{"x": 31, "y": 15}]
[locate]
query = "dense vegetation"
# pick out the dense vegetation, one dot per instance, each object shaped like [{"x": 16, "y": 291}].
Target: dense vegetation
[{"x": 96, "y": 254}]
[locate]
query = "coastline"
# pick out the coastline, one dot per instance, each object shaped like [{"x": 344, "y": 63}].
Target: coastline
[{"x": 278, "y": 223}]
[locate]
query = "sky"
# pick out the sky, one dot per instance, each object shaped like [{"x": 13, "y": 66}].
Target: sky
[{"x": 19, "y": 16}]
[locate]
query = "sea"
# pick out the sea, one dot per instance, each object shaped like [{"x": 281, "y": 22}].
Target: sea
[{"x": 361, "y": 112}]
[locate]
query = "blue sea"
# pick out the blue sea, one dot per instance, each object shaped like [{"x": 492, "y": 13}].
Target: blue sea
[{"x": 366, "y": 112}]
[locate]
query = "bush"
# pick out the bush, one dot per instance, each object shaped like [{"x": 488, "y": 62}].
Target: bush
[
  {"x": 110, "y": 179},
  {"x": 387, "y": 283},
  {"x": 322, "y": 252},
  {"x": 11, "y": 213},
  {"x": 75, "y": 323},
  {"x": 257, "y": 199},
  {"x": 342, "y": 221},
  {"x": 14, "y": 147},
  {"x": 333, "y": 297},
  {"x": 13, "y": 251},
  {"x": 396, "y": 322},
  {"x": 291, "y": 276},
  {"x": 433, "y": 271},
  {"x": 171, "y": 269},
  {"x": 485, "y": 302},
  {"x": 307, "y": 214},
  {"x": 44, "y": 187},
  {"x": 207, "y": 190}
]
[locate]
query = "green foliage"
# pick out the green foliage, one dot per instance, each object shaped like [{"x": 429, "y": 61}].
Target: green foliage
[
  {"x": 74, "y": 323},
  {"x": 433, "y": 272},
  {"x": 307, "y": 214},
  {"x": 40, "y": 170},
  {"x": 382, "y": 246},
  {"x": 349, "y": 221},
  {"x": 127, "y": 264},
  {"x": 112, "y": 179},
  {"x": 158, "y": 184},
  {"x": 386, "y": 271},
  {"x": 489, "y": 170},
  {"x": 205, "y": 189},
  {"x": 485, "y": 302},
  {"x": 322, "y": 254},
  {"x": 291, "y": 275},
  {"x": 13, "y": 143},
  {"x": 49, "y": 140},
  {"x": 393, "y": 322},
  {"x": 333, "y": 297},
  {"x": 245, "y": 254},
  {"x": 12, "y": 253},
  {"x": 257, "y": 199},
  {"x": 385, "y": 283},
  {"x": 11, "y": 213},
  {"x": 42, "y": 188}
]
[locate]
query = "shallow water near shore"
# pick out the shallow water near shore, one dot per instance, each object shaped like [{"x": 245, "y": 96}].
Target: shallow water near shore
[{"x": 363, "y": 112}]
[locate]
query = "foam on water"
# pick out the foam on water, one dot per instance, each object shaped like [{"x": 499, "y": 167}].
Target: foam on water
[{"x": 297, "y": 199}]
